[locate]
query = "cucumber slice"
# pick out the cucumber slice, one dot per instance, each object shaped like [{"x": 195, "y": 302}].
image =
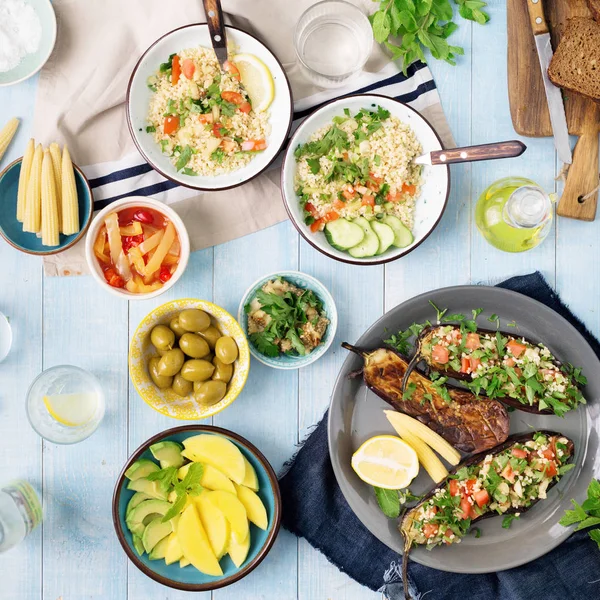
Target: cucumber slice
[
  {"x": 137, "y": 544},
  {"x": 385, "y": 234},
  {"x": 402, "y": 235},
  {"x": 141, "y": 468},
  {"x": 342, "y": 234},
  {"x": 370, "y": 243},
  {"x": 168, "y": 453}
]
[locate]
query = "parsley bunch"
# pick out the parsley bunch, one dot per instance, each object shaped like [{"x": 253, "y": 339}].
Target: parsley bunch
[
  {"x": 586, "y": 514},
  {"x": 422, "y": 24}
]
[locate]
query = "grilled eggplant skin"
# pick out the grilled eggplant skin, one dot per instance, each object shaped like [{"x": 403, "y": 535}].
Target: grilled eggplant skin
[
  {"x": 446, "y": 370},
  {"x": 469, "y": 423},
  {"x": 406, "y": 522}
]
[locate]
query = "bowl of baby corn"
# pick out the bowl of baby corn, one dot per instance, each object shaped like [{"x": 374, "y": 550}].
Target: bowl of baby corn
[{"x": 46, "y": 203}]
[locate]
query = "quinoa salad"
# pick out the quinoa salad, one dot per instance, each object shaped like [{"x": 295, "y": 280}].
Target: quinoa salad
[
  {"x": 359, "y": 166},
  {"x": 202, "y": 118}
]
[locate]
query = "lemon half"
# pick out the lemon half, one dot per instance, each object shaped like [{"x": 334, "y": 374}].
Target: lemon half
[
  {"x": 72, "y": 410},
  {"x": 387, "y": 462},
  {"x": 257, "y": 80}
]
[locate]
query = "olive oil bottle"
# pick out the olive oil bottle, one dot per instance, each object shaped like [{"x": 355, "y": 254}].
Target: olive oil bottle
[{"x": 514, "y": 214}]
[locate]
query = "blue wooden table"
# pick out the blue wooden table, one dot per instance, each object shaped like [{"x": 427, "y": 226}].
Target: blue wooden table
[{"x": 75, "y": 554}]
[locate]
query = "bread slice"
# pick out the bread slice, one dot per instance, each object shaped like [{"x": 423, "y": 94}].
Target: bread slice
[
  {"x": 594, "y": 6},
  {"x": 575, "y": 65}
]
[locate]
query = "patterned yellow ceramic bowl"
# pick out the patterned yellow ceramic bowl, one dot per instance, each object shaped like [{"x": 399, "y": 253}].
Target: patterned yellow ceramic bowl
[{"x": 168, "y": 402}]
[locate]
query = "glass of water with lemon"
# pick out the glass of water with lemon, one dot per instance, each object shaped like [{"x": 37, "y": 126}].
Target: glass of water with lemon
[{"x": 65, "y": 404}]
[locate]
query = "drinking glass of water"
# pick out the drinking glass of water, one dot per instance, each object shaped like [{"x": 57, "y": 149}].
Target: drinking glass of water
[{"x": 333, "y": 40}]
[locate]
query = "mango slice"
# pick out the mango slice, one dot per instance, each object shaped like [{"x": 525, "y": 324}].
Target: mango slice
[
  {"x": 212, "y": 478},
  {"x": 233, "y": 510},
  {"x": 218, "y": 452},
  {"x": 255, "y": 509},
  {"x": 238, "y": 551},
  {"x": 195, "y": 544},
  {"x": 215, "y": 524},
  {"x": 174, "y": 551},
  {"x": 250, "y": 477}
]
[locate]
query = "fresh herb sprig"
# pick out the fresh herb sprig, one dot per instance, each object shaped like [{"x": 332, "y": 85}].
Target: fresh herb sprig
[
  {"x": 408, "y": 27},
  {"x": 391, "y": 501},
  {"x": 587, "y": 514},
  {"x": 189, "y": 485}
]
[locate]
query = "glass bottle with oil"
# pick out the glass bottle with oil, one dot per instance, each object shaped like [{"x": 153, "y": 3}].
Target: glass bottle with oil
[{"x": 514, "y": 214}]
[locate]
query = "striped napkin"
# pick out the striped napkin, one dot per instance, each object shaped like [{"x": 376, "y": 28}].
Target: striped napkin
[{"x": 81, "y": 102}]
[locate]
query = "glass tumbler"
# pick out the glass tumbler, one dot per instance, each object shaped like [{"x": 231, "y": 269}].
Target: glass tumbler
[{"x": 333, "y": 41}]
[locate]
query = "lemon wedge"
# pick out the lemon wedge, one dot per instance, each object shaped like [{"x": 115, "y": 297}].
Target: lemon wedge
[
  {"x": 72, "y": 410},
  {"x": 387, "y": 462},
  {"x": 257, "y": 80}
]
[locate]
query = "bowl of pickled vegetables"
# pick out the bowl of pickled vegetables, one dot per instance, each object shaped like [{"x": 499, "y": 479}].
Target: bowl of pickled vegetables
[
  {"x": 189, "y": 359},
  {"x": 137, "y": 248}
]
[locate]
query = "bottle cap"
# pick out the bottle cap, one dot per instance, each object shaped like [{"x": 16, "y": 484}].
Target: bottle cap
[{"x": 527, "y": 207}]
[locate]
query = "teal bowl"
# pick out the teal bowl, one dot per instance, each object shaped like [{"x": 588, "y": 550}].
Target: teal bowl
[
  {"x": 31, "y": 63},
  {"x": 189, "y": 578},
  {"x": 12, "y": 231},
  {"x": 301, "y": 280}
]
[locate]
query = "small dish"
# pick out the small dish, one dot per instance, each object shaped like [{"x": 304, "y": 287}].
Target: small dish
[
  {"x": 135, "y": 202},
  {"x": 32, "y": 63},
  {"x": 188, "y": 578},
  {"x": 301, "y": 280},
  {"x": 12, "y": 231},
  {"x": 168, "y": 402},
  {"x": 6, "y": 336},
  {"x": 138, "y": 99}
]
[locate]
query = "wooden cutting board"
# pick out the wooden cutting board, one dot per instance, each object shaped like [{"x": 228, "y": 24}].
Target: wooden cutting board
[{"x": 529, "y": 110}]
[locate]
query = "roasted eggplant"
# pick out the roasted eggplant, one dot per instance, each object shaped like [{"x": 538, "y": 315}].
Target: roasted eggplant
[
  {"x": 507, "y": 480},
  {"x": 515, "y": 370},
  {"x": 469, "y": 423}
]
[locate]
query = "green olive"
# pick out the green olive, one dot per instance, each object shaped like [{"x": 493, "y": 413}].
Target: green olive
[
  {"x": 226, "y": 349},
  {"x": 210, "y": 392},
  {"x": 193, "y": 319},
  {"x": 211, "y": 335},
  {"x": 163, "y": 352},
  {"x": 193, "y": 345},
  {"x": 162, "y": 337},
  {"x": 176, "y": 327},
  {"x": 171, "y": 362},
  {"x": 209, "y": 357},
  {"x": 222, "y": 372},
  {"x": 161, "y": 381},
  {"x": 181, "y": 386},
  {"x": 197, "y": 370}
]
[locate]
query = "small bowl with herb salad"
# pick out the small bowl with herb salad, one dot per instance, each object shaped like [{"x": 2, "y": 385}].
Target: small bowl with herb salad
[
  {"x": 205, "y": 127},
  {"x": 290, "y": 319},
  {"x": 350, "y": 184}
]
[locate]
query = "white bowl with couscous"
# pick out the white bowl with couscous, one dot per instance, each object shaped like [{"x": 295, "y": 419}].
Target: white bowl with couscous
[
  {"x": 350, "y": 185},
  {"x": 197, "y": 125}
]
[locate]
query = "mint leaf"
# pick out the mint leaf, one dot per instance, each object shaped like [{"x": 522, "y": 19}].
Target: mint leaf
[
  {"x": 389, "y": 502},
  {"x": 589, "y": 522},
  {"x": 166, "y": 477},
  {"x": 595, "y": 535},
  {"x": 193, "y": 475},
  {"x": 176, "y": 508},
  {"x": 573, "y": 516},
  {"x": 382, "y": 25}
]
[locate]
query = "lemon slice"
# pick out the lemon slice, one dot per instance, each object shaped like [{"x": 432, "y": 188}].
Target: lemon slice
[
  {"x": 72, "y": 410},
  {"x": 257, "y": 80},
  {"x": 387, "y": 462}
]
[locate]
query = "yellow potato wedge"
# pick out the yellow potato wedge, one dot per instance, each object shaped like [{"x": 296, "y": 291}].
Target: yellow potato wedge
[{"x": 255, "y": 509}]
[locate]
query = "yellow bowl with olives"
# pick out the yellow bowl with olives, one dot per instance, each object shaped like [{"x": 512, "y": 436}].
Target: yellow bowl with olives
[{"x": 189, "y": 359}]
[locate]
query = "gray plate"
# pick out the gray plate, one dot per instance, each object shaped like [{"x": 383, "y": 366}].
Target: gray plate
[{"x": 356, "y": 414}]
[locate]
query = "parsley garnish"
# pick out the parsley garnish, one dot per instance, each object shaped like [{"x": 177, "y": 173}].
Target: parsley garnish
[
  {"x": 586, "y": 514},
  {"x": 507, "y": 521},
  {"x": 184, "y": 158}
]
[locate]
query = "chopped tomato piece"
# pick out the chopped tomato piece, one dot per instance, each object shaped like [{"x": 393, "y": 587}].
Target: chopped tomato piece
[
  {"x": 448, "y": 533},
  {"x": 228, "y": 145},
  {"x": 475, "y": 362},
  {"x": 434, "y": 510},
  {"x": 332, "y": 215},
  {"x": 113, "y": 279},
  {"x": 395, "y": 197},
  {"x": 519, "y": 453},
  {"x": 473, "y": 341},
  {"x": 547, "y": 453},
  {"x": 143, "y": 216},
  {"x": 216, "y": 129},
  {"x": 171, "y": 124},
  {"x": 515, "y": 348},
  {"x": 440, "y": 354},
  {"x": 309, "y": 208},
  {"x": 456, "y": 336},
  {"x": 348, "y": 194},
  {"x": 465, "y": 506},
  {"x": 230, "y": 68},
  {"x": 508, "y": 473},
  {"x": 207, "y": 118},
  {"x": 465, "y": 365},
  {"x": 368, "y": 200},
  {"x": 259, "y": 144},
  {"x": 164, "y": 274},
  {"x": 175, "y": 70},
  {"x": 454, "y": 491},
  {"x": 377, "y": 180},
  {"x": 316, "y": 226},
  {"x": 338, "y": 204},
  {"x": 469, "y": 486},
  {"x": 481, "y": 497},
  {"x": 232, "y": 97},
  {"x": 409, "y": 189},
  {"x": 518, "y": 371},
  {"x": 510, "y": 362},
  {"x": 245, "y": 107},
  {"x": 345, "y": 156},
  {"x": 188, "y": 67},
  {"x": 430, "y": 530},
  {"x": 550, "y": 470}
]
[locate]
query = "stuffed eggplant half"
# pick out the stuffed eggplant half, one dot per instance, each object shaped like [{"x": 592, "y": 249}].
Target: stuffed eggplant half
[
  {"x": 469, "y": 423},
  {"x": 518, "y": 372},
  {"x": 508, "y": 480}
]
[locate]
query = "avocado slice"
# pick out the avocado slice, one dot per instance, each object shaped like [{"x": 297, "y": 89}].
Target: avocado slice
[
  {"x": 137, "y": 544},
  {"x": 136, "y": 499},
  {"x": 160, "y": 550},
  {"x": 168, "y": 453},
  {"x": 141, "y": 468},
  {"x": 152, "y": 488},
  {"x": 154, "y": 533},
  {"x": 135, "y": 520}
]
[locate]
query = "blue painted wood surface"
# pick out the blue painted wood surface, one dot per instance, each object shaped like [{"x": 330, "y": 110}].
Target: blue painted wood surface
[{"x": 75, "y": 554}]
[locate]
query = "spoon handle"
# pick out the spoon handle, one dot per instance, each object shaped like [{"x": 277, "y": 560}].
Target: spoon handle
[
  {"x": 216, "y": 28},
  {"x": 493, "y": 151}
]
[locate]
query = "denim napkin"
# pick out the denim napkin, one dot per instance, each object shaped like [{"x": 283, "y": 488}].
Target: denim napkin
[{"x": 315, "y": 509}]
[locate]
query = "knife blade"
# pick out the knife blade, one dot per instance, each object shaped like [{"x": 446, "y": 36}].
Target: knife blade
[{"x": 556, "y": 107}]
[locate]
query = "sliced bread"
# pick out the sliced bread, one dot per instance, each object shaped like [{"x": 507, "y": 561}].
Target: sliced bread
[
  {"x": 594, "y": 6},
  {"x": 575, "y": 65}
]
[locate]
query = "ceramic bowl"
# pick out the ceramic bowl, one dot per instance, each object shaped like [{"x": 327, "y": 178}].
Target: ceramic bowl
[
  {"x": 143, "y": 202},
  {"x": 301, "y": 280},
  {"x": 189, "y": 578},
  {"x": 168, "y": 402},
  {"x": 138, "y": 98},
  {"x": 429, "y": 206},
  {"x": 12, "y": 231},
  {"x": 32, "y": 63}
]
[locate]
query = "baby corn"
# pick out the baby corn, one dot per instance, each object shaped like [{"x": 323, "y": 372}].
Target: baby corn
[
  {"x": 70, "y": 204},
  {"x": 56, "y": 167},
  {"x": 6, "y": 134},
  {"x": 431, "y": 463},
  {"x": 50, "y": 232},
  {"x": 24, "y": 179},
  {"x": 33, "y": 213}
]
